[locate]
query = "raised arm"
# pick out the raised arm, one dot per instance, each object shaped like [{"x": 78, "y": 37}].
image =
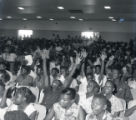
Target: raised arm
[
  {"x": 103, "y": 57},
  {"x": 50, "y": 114},
  {"x": 68, "y": 81},
  {"x": 130, "y": 111},
  {"x": 3, "y": 102},
  {"x": 45, "y": 74}
]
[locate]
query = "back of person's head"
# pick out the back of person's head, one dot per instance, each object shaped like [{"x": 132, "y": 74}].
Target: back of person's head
[
  {"x": 26, "y": 92},
  {"x": 16, "y": 115},
  {"x": 70, "y": 92},
  {"x": 4, "y": 76}
]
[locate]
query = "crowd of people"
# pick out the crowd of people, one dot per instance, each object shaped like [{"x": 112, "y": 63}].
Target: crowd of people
[{"x": 67, "y": 79}]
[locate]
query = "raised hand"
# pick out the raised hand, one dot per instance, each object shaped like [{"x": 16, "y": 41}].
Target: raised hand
[
  {"x": 103, "y": 56},
  {"x": 79, "y": 57},
  {"x": 111, "y": 57},
  {"x": 10, "y": 84},
  {"x": 45, "y": 54},
  {"x": 84, "y": 53}
]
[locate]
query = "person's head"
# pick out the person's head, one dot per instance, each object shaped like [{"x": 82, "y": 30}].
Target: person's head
[
  {"x": 116, "y": 73},
  {"x": 2, "y": 88},
  {"x": 4, "y": 76},
  {"x": 89, "y": 77},
  {"x": 67, "y": 97},
  {"x": 109, "y": 72},
  {"x": 7, "y": 50},
  {"x": 63, "y": 71},
  {"x": 97, "y": 69},
  {"x": 89, "y": 69},
  {"x": 24, "y": 95},
  {"x": 92, "y": 87},
  {"x": 39, "y": 70},
  {"x": 99, "y": 104},
  {"x": 56, "y": 84},
  {"x": 54, "y": 71},
  {"x": 2, "y": 65},
  {"x": 16, "y": 115},
  {"x": 108, "y": 88},
  {"x": 25, "y": 70}
]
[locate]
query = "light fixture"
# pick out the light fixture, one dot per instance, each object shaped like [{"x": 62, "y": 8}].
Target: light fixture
[
  {"x": 1, "y": 19},
  {"x": 80, "y": 19},
  {"x": 24, "y": 18},
  {"x": 122, "y": 20},
  {"x": 60, "y": 7},
  {"x": 110, "y": 17},
  {"x": 39, "y": 17},
  {"x": 114, "y": 20},
  {"x": 9, "y": 17},
  {"x": 51, "y": 19},
  {"x": 107, "y": 7},
  {"x": 72, "y": 17},
  {"x": 20, "y": 8}
]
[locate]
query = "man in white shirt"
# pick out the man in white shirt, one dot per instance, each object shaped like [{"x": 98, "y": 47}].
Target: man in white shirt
[
  {"x": 116, "y": 104},
  {"x": 86, "y": 99}
]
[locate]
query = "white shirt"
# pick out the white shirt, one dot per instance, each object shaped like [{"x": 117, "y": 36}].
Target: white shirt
[
  {"x": 116, "y": 104},
  {"x": 86, "y": 103},
  {"x": 106, "y": 116},
  {"x": 63, "y": 114},
  {"x": 102, "y": 82},
  {"x": 83, "y": 85},
  {"x": 8, "y": 102},
  {"x": 130, "y": 105}
]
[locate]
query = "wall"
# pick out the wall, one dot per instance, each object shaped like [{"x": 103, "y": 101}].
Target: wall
[{"x": 111, "y": 31}]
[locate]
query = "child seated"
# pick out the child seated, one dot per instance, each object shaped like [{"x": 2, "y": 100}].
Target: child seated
[
  {"x": 66, "y": 108},
  {"x": 22, "y": 101},
  {"x": 16, "y": 115},
  {"x": 116, "y": 104},
  {"x": 99, "y": 108}
]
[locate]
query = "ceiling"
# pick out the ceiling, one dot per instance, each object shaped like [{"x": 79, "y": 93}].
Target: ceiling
[{"x": 89, "y": 10}]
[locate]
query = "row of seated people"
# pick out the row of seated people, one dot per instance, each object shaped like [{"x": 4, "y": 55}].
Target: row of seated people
[{"x": 96, "y": 82}]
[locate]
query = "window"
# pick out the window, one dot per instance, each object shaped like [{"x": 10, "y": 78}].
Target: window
[
  {"x": 90, "y": 35},
  {"x": 25, "y": 33}
]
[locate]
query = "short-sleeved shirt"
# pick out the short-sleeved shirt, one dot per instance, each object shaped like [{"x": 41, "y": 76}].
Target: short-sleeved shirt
[
  {"x": 130, "y": 105},
  {"x": 63, "y": 114},
  {"x": 86, "y": 103},
  {"x": 106, "y": 116},
  {"x": 116, "y": 104}
]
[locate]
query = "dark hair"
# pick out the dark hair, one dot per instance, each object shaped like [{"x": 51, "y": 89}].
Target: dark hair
[
  {"x": 6, "y": 75},
  {"x": 56, "y": 69},
  {"x": 27, "y": 68},
  {"x": 111, "y": 82},
  {"x": 16, "y": 115},
  {"x": 99, "y": 66},
  {"x": 70, "y": 91},
  {"x": 26, "y": 92},
  {"x": 63, "y": 67},
  {"x": 101, "y": 97}
]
